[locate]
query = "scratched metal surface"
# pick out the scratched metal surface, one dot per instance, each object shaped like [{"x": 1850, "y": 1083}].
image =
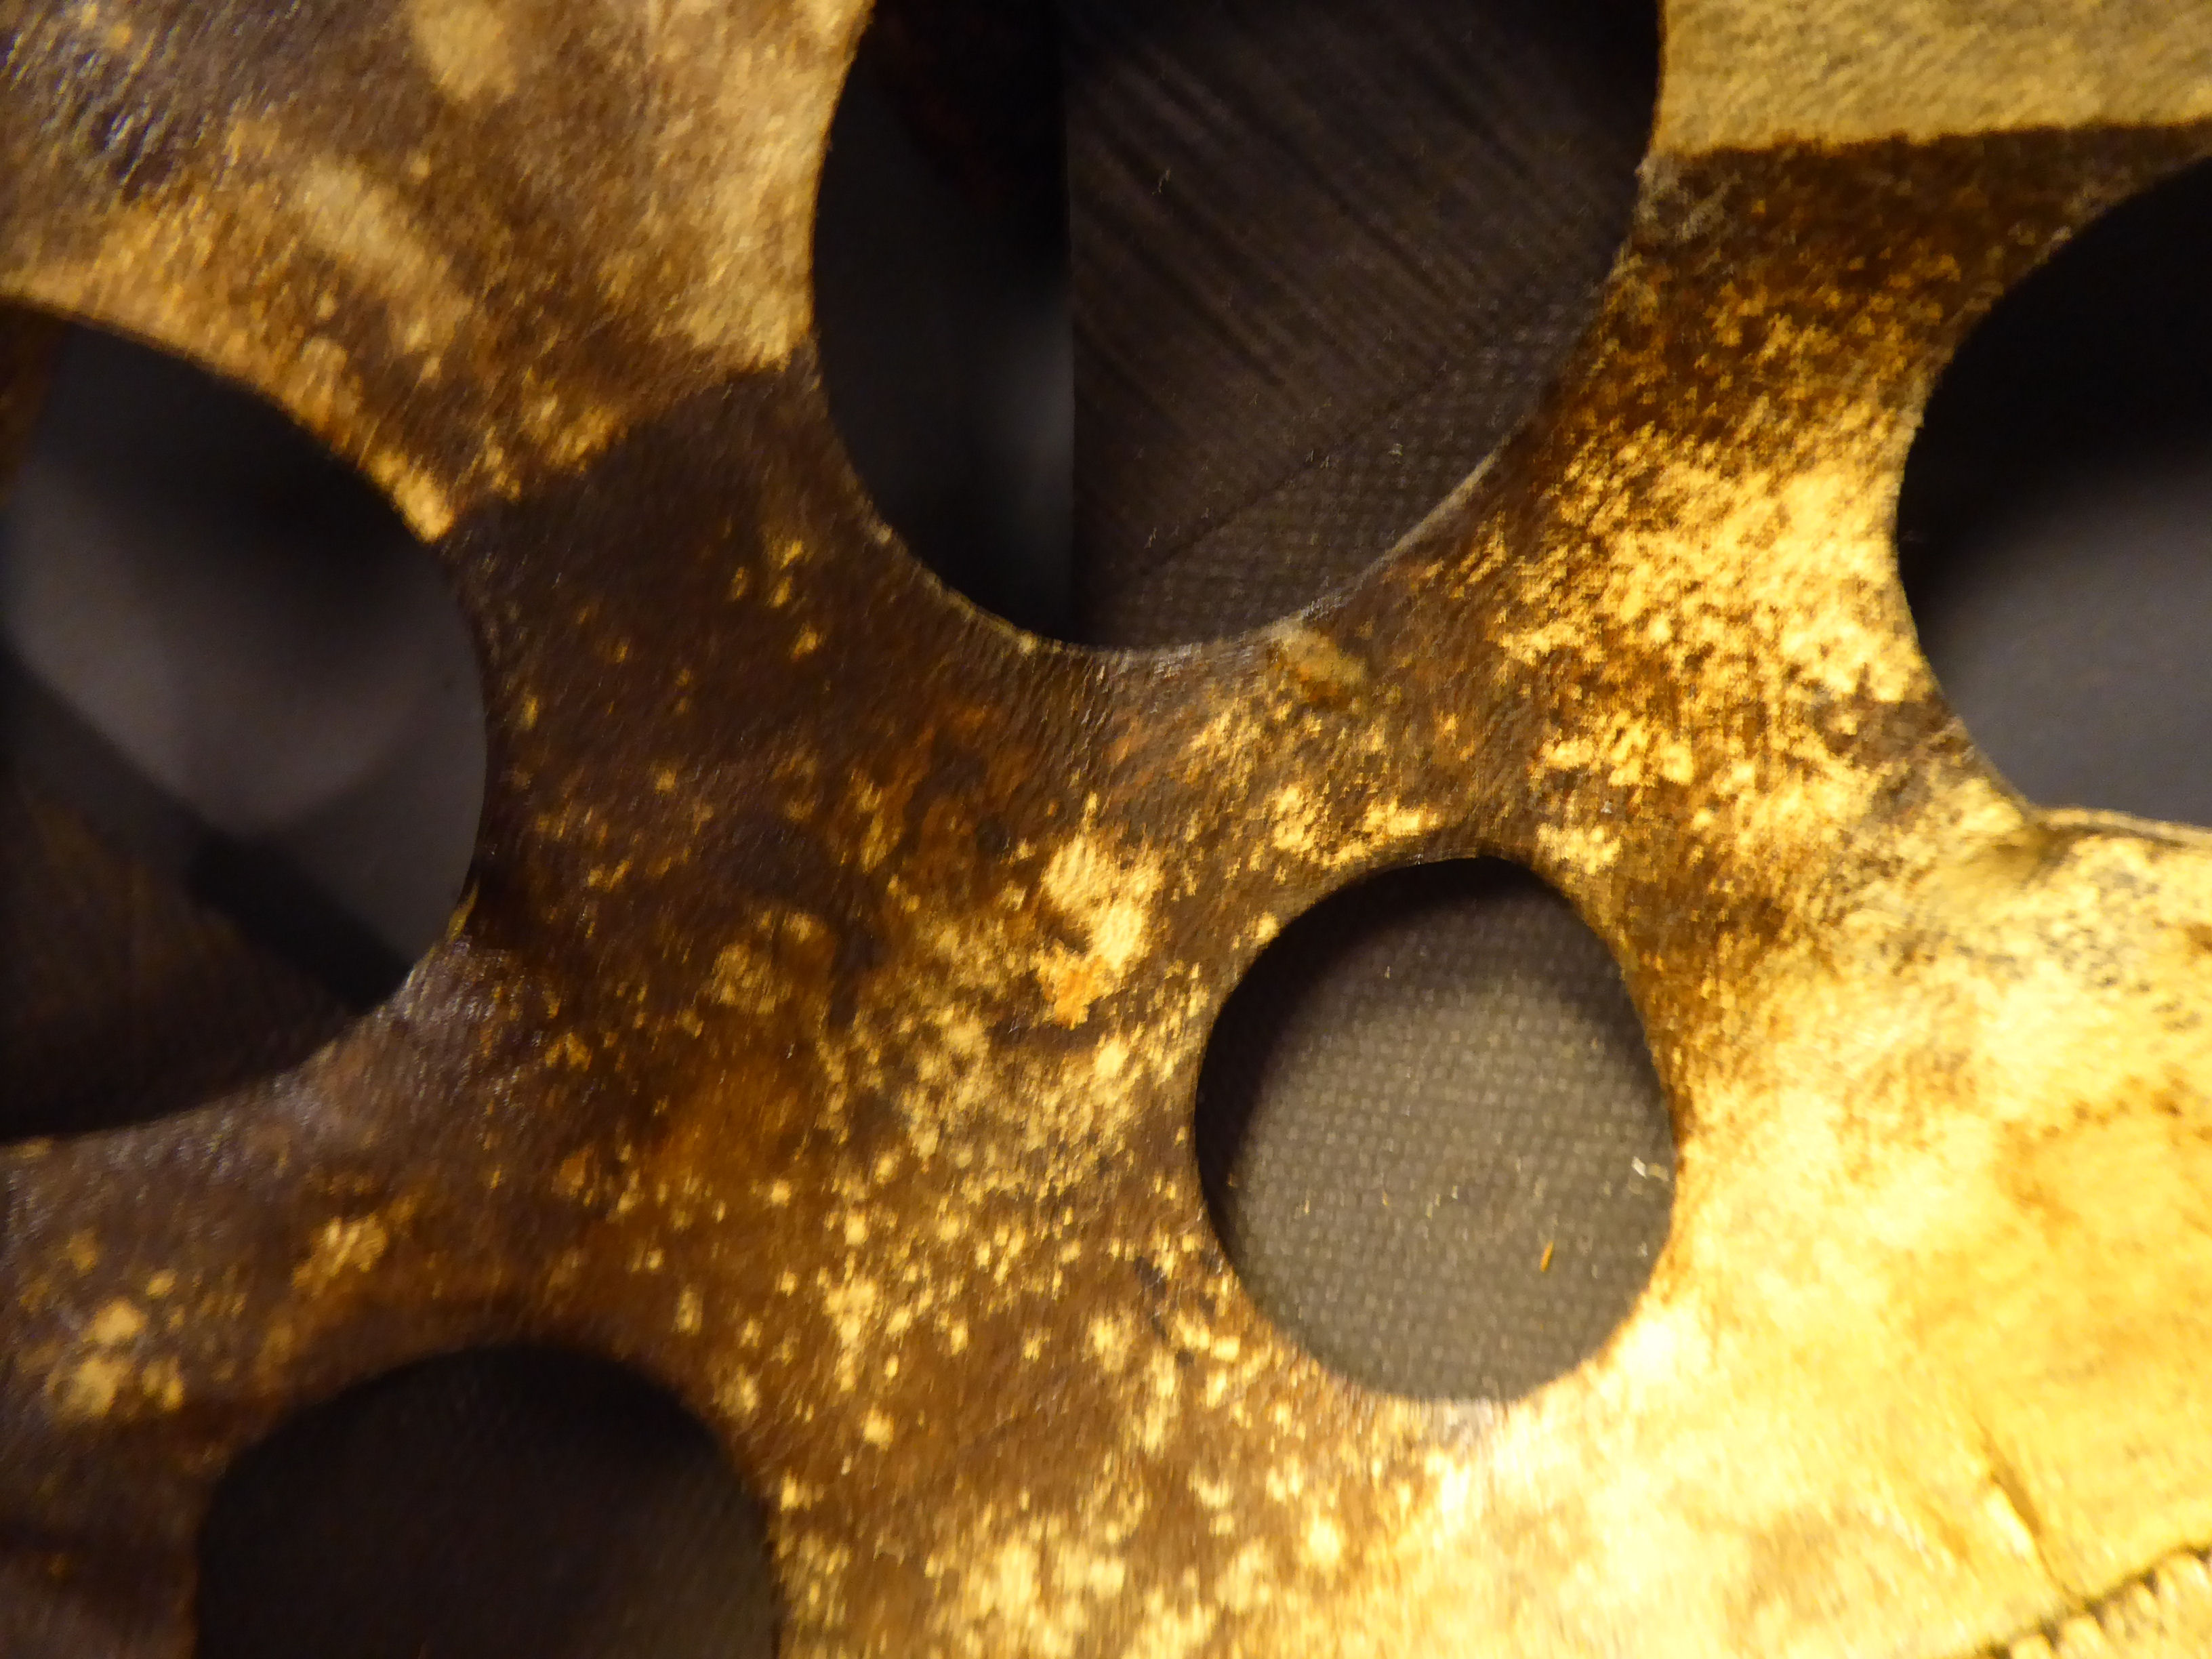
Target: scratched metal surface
[{"x": 819, "y": 1034}]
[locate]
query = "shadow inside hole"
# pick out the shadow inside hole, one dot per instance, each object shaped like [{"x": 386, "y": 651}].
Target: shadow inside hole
[
  {"x": 2055, "y": 526},
  {"x": 941, "y": 278},
  {"x": 241, "y": 744},
  {"x": 1431, "y": 1136},
  {"x": 507, "y": 1503},
  {"x": 122, "y": 997}
]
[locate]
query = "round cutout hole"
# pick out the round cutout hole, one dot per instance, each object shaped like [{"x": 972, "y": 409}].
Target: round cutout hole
[
  {"x": 506, "y": 1503},
  {"x": 243, "y": 751},
  {"x": 2055, "y": 527},
  {"x": 1148, "y": 323},
  {"x": 1430, "y": 1136}
]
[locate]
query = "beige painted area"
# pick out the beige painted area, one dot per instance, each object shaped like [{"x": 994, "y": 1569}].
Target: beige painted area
[
  {"x": 468, "y": 45},
  {"x": 726, "y": 225},
  {"x": 1923, "y": 1362},
  {"x": 1751, "y": 73}
]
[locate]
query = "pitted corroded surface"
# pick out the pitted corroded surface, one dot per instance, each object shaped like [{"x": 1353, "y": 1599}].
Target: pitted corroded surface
[{"x": 820, "y": 1032}]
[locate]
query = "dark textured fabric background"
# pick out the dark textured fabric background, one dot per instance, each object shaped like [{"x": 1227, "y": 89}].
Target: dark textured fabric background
[
  {"x": 1325, "y": 258},
  {"x": 516, "y": 1503},
  {"x": 2054, "y": 531},
  {"x": 1430, "y": 1136}
]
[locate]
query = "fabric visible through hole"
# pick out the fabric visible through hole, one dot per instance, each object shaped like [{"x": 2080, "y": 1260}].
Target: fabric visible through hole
[
  {"x": 511, "y": 1504},
  {"x": 1431, "y": 1137},
  {"x": 1324, "y": 260}
]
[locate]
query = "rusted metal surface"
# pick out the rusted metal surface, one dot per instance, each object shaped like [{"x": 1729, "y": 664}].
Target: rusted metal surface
[{"x": 820, "y": 1035}]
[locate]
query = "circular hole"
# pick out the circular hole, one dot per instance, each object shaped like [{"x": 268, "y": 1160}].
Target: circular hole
[
  {"x": 508, "y": 1501},
  {"x": 244, "y": 744},
  {"x": 1431, "y": 1136},
  {"x": 2054, "y": 526},
  {"x": 1320, "y": 262}
]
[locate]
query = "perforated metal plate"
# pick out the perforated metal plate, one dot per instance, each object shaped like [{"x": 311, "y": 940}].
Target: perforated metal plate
[{"x": 821, "y": 1035}]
